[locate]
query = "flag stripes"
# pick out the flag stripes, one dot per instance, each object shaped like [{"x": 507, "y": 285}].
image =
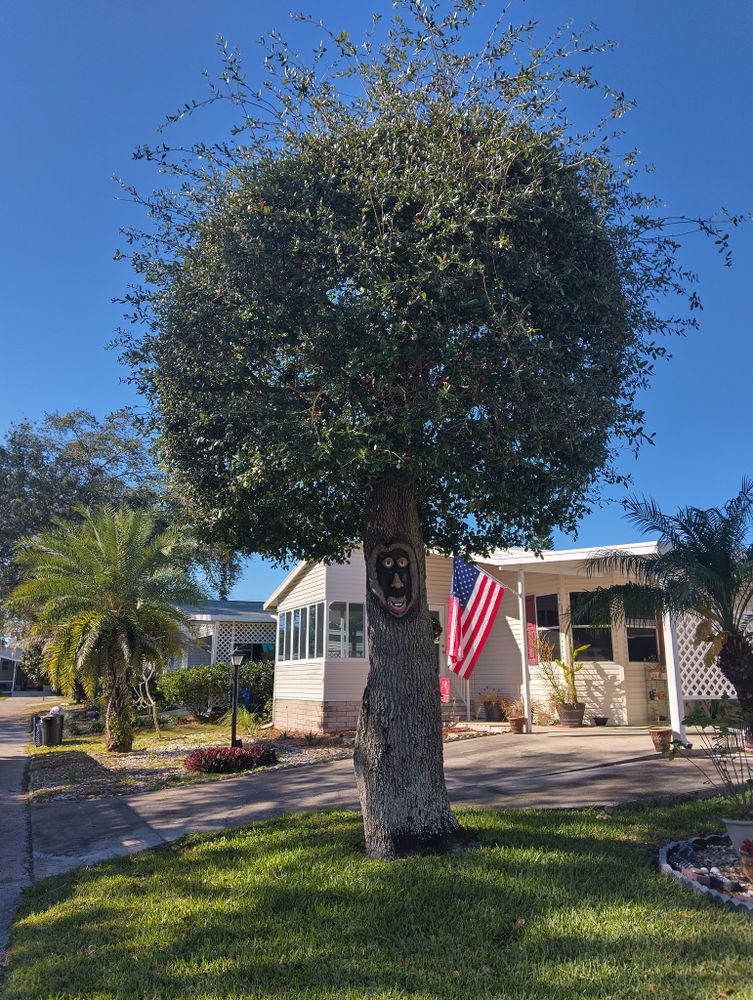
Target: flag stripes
[{"x": 474, "y": 601}]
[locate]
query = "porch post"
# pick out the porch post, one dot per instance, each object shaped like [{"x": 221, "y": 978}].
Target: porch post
[
  {"x": 674, "y": 678},
  {"x": 215, "y": 631},
  {"x": 524, "y": 649}
]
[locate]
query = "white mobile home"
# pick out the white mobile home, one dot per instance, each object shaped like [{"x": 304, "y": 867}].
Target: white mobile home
[{"x": 635, "y": 674}]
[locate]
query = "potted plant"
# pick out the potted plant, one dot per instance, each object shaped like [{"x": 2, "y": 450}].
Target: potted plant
[
  {"x": 727, "y": 763},
  {"x": 494, "y": 703},
  {"x": 515, "y": 714},
  {"x": 560, "y": 675}
]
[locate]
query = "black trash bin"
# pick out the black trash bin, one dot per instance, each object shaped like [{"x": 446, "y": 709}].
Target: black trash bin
[{"x": 52, "y": 730}]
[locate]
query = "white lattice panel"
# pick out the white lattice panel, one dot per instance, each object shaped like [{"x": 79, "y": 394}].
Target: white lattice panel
[
  {"x": 698, "y": 680},
  {"x": 232, "y": 634}
]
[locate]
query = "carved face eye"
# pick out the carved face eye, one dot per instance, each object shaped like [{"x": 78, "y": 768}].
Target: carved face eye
[
  {"x": 402, "y": 562},
  {"x": 388, "y": 562}
]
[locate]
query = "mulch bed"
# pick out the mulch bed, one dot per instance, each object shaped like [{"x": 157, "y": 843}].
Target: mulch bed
[{"x": 75, "y": 774}]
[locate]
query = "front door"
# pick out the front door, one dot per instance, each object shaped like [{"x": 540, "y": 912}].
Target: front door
[{"x": 459, "y": 688}]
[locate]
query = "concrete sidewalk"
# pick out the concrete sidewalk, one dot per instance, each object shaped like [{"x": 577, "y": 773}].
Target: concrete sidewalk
[
  {"x": 15, "y": 831},
  {"x": 554, "y": 768}
]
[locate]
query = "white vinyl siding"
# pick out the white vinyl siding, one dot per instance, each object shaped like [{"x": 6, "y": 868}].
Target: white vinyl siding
[{"x": 301, "y": 678}]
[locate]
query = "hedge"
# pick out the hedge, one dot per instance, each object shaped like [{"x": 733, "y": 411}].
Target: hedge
[{"x": 206, "y": 691}]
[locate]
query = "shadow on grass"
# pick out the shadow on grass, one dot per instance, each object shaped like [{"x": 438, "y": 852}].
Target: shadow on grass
[{"x": 556, "y": 905}]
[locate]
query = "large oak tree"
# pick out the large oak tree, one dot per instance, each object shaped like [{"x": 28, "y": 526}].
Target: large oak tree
[{"x": 406, "y": 306}]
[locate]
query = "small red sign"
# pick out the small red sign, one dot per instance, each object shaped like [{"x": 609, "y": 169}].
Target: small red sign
[{"x": 444, "y": 689}]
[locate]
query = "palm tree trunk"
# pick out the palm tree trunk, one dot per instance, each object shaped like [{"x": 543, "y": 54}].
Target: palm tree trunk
[
  {"x": 398, "y": 754},
  {"x": 736, "y": 663},
  {"x": 118, "y": 723}
]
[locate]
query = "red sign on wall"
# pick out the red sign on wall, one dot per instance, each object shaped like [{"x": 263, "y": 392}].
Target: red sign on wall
[{"x": 444, "y": 690}]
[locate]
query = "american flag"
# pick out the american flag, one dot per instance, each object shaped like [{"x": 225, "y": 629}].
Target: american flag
[{"x": 474, "y": 601}]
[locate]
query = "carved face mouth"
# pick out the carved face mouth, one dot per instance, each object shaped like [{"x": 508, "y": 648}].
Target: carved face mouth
[{"x": 397, "y": 606}]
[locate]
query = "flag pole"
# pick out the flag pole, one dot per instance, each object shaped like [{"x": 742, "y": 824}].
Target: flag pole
[{"x": 524, "y": 649}]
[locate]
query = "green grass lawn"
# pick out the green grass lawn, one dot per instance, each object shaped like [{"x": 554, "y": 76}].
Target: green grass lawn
[{"x": 553, "y": 905}]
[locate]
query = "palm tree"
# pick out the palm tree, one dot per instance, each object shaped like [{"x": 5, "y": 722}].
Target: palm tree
[
  {"x": 703, "y": 568},
  {"x": 101, "y": 597}
]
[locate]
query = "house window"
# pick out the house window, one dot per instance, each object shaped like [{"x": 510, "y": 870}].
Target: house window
[
  {"x": 288, "y": 630},
  {"x": 597, "y": 638},
  {"x": 548, "y": 621},
  {"x": 296, "y": 632},
  {"x": 320, "y": 630},
  {"x": 345, "y": 631},
  {"x": 355, "y": 631},
  {"x": 642, "y": 640},
  {"x": 281, "y": 637},
  {"x": 312, "y": 630},
  {"x": 304, "y": 630}
]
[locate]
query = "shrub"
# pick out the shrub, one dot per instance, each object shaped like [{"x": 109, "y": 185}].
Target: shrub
[
  {"x": 205, "y": 690},
  {"x": 229, "y": 760}
]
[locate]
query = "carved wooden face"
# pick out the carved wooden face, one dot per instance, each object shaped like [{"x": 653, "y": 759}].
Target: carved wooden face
[{"x": 392, "y": 577}]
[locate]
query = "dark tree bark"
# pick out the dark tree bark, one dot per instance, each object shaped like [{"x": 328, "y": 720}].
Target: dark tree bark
[
  {"x": 118, "y": 724},
  {"x": 736, "y": 663},
  {"x": 398, "y": 754}
]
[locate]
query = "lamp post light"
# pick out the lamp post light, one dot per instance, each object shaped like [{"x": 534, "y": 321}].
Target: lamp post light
[{"x": 237, "y": 659}]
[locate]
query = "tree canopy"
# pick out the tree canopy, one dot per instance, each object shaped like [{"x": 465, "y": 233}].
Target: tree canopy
[
  {"x": 52, "y": 467},
  {"x": 436, "y": 278}
]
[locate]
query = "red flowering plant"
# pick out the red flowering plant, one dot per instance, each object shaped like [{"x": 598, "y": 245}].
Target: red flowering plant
[
  {"x": 229, "y": 760},
  {"x": 747, "y": 848}
]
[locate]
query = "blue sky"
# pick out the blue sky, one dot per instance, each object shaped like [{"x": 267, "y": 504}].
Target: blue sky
[{"x": 84, "y": 83}]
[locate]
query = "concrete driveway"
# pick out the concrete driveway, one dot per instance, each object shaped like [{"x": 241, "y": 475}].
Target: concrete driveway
[{"x": 552, "y": 768}]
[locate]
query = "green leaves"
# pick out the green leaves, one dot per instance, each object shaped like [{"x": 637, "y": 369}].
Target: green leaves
[
  {"x": 435, "y": 276},
  {"x": 102, "y": 591}
]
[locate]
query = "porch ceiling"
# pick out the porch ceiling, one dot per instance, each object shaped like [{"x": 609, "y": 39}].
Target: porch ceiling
[{"x": 565, "y": 562}]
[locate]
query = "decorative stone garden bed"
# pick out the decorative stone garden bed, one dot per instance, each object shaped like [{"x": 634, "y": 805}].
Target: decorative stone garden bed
[{"x": 709, "y": 865}]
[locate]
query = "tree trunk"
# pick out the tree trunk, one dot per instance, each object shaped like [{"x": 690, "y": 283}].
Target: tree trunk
[
  {"x": 398, "y": 753},
  {"x": 736, "y": 663},
  {"x": 118, "y": 722}
]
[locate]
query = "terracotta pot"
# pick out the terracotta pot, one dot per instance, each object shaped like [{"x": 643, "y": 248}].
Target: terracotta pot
[
  {"x": 571, "y": 715},
  {"x": 517, "y": 723},
  {"x": 661, "y": 737}
]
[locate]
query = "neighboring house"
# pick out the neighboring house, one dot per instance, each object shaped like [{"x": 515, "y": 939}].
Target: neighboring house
[
  {"x": 634, "y": 674},
  {"x": 219, "y": 627},
  {"x": 12, "y": 678}
]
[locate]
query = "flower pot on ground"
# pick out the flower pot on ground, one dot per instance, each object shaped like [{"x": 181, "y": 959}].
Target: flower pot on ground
[
  {"x": 600, "y": 720},
  {"x": 661, "y": 737},
  {"x": 517, "y": 723},
  {"x": 494, "y": 703},
  {"x": 560, "y": 675},
  {"x": 739, "y": 831},
  {"x": 571, "y": 715}
]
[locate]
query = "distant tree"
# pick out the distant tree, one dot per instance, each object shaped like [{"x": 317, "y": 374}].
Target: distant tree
[
  {"x": 408, "y": 306},
  {"x": 704, "y": 569},
  {"x": 101, "y": 595},
  {"x": 50, "y": 467}
]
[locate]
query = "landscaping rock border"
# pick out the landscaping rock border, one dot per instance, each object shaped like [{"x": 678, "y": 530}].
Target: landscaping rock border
[{"x": 730, "y": 901}]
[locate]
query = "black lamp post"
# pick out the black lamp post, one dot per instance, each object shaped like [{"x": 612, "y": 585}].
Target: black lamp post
[{"x": 237, "y": 660}]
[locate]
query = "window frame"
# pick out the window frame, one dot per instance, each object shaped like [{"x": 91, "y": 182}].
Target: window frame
[{"x": 589, "y": 655}]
